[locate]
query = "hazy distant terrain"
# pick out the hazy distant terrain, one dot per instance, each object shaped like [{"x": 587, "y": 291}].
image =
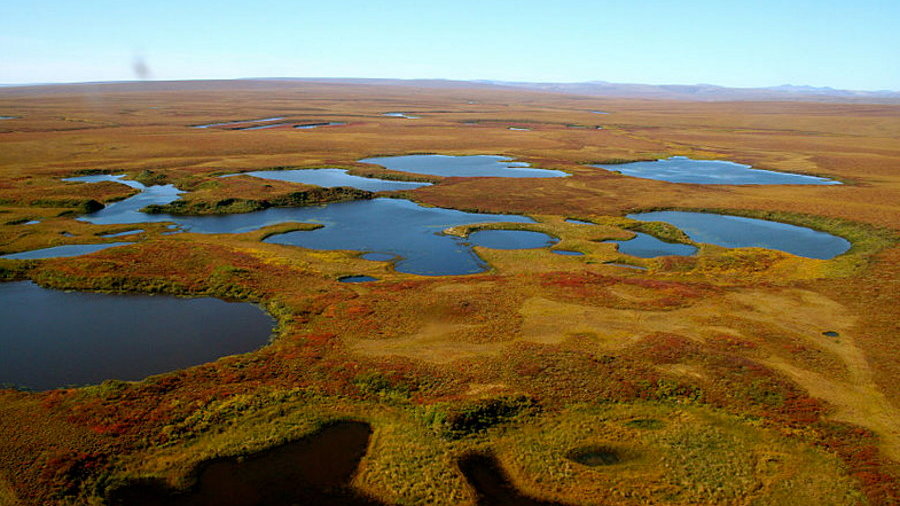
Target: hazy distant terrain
[{"x": 694, "y": 92}]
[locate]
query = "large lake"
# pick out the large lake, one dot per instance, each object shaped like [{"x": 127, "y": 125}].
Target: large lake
[
  {"x": 92, "y": 337},
  {"x": 680, "y": 169},
  {"x": 462, "y": 166},
  {"x": 389, "y": 226}
]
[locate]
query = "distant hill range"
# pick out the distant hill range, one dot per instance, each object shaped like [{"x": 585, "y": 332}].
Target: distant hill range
[
  {"x": 707, "y": 91},
  {"x": 703, "y": 92},
  {"x": 696, "y": 92}
]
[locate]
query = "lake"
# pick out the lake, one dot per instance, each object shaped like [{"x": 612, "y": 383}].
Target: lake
[
  {"x": 395, "y": 227},
  {"x": 740, "y": 232},
  {"x": 92, "y": 337},
  {"x": 462, "y": 166},
  {"x": 399, "y": 228},
  {"x": 331, "y": 178},
  {"x": 680, "y": 169}
]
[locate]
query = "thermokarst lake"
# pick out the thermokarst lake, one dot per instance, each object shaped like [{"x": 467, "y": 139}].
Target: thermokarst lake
[
  {"x": 740, "y": 232},
  {"x": 331, "y": 178},
  {"x": 462, "y": 166},
  {"x": 680, "y": 169},
  {"x": 93, "y": 337}
]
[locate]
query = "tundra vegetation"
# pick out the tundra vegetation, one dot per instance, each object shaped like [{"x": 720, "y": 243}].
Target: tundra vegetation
[{"x": 730, "y": 376}]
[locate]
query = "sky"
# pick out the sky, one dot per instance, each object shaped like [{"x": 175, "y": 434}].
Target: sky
[{"x": 850, "y": 44}]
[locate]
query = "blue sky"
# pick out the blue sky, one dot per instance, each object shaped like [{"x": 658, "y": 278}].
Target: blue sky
[{"x": 843, "y": 44}]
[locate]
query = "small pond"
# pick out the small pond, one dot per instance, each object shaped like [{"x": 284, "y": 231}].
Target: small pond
[
  {"x": 567, "y": 252},
  {"x": 8, "y": 117},
  {"x": 263, "y": 127},
  {"x": 462, "y": 166},
  {"x": 492, "y": 484},
  {"x": 92, "y": 337},
  {"x": 646, "y": 246},
  {"x": 120, "y": 234},
  {"x": 511, "y": 239},
  {"x": 579, "y": 222},
  {"x": 626, "y": 266},
  {"x": 309, "y": 126},
  {"x": 399, "y": 115},
  {"x": 680, "y": 169},
  {"x": 357, "y": 279},
  {"x": 70, "y": 250},
  {"x": 595, "y": 456},
  {"x": 740, "y": 232},
  {"x": 330, "y": 178},
  {"x": 229, "y": 123},
  {"x": 315, "y": 470}
]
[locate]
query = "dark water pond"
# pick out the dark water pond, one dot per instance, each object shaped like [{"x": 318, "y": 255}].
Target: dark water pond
[
  {"x": 680, "y": 169},
  {"x": 646, "y": 246},
  {"x": 579, "y": 222},
  {"x": 92, "y": 337},
  {"x": 462, "y": 166},
  {"x": 357, "y": 279},
  {"x": 8, "y": 117},
  {"x": 567, "y": 252},
  {"x": 71, "y": 250},
  {"x": 330, "y": 178},
  {"x": 316, "y": 470},
  {"x": 739, "y": 232},
  {"x": 492, "y": 485},
  {"x": 511, "y": 239},
  {"x": 309, "y": 126},
  {"x": 229, "y": 123}
]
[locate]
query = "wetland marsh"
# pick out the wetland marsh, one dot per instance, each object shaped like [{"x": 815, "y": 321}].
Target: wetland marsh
[{"x": 729, "y": 359}]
